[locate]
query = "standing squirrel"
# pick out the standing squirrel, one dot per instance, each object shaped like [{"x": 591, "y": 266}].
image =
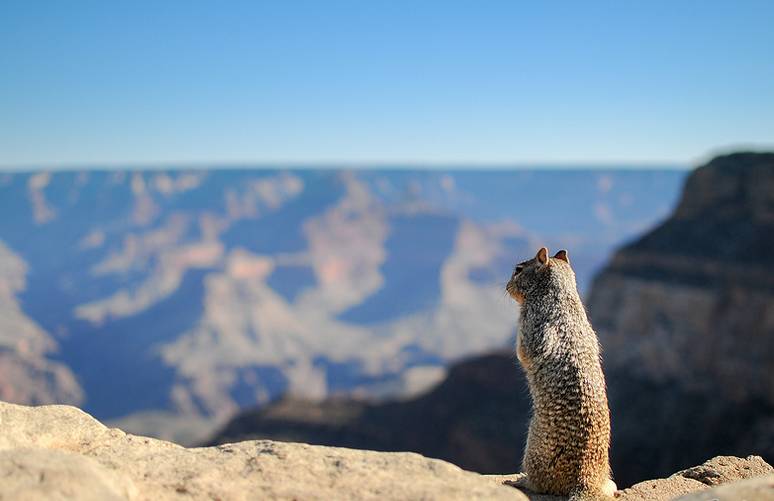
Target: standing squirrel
[{"x": 569, "y": 434}]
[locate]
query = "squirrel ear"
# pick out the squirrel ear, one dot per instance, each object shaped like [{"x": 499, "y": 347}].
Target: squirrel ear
[
  {"x": 542, "y": 255},
  {"x": 562, "y": 254}
]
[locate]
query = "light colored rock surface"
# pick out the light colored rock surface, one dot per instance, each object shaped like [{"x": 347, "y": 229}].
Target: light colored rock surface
[
  {"x": 725, "y": 469},
  {"x": 60, "y": 452},
  {"x": 32, "y": 474},
  {"x": 661, "y": 489},
  {"x": 716, "y": 471},
  {"x": 754, "y": 489}
]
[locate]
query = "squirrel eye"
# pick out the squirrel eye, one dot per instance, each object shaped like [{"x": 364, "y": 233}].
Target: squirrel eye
[{"x": 519, "y": 269}]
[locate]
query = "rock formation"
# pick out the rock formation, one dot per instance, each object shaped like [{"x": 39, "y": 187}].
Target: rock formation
[
  {"x": 686, "y": 318},
  {"x": 754, "y": 489},
  {"x": 692, "y": 301},
  {"x": 60, "y": 452}
]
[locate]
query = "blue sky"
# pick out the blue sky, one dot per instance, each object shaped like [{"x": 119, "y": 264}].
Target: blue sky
[{"x": 115, "y": 83}]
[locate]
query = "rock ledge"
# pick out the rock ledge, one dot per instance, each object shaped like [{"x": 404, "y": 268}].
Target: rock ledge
[{"x": 60, "y": 452}]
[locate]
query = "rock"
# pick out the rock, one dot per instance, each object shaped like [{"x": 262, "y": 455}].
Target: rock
[
  {"x": 33, "y": 474},
  {"x": 754, "y": 489},
  {"x": 663, "y": 489},
  {"x": 685, "y": 316},
  {"x": 691, "y": 289},
  {"x": 48, "y": 426},
  {"x": 60, "y": 452},
  {"x": 724, "y": 469},
  {"x": 698, "y": 283},
  {"x": 716, "y": 471}
]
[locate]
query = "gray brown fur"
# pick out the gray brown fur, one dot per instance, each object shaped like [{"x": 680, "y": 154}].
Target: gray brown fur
[{"x": 569, "y": 434}]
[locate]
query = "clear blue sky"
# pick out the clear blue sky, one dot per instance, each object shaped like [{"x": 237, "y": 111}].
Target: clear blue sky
[{"x": 103, "y": 82}]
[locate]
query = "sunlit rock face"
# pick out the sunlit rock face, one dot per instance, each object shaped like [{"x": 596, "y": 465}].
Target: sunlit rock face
[
  {"x": 686, "y": 314},
  {"x": 169, "y": 300},
  {"x": 60, "y": 452}
]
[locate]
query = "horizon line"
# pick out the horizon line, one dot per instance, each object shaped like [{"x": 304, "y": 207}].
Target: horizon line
[
  {"x": 237, "y": 163},
  {"x": 347, "y": 165}
]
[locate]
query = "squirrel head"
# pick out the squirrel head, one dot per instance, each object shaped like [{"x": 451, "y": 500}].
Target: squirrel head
[{"x": 539, "y": 273}]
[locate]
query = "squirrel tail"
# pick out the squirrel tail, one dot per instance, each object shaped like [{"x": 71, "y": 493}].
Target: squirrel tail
[{"x": 604, "y": 493}]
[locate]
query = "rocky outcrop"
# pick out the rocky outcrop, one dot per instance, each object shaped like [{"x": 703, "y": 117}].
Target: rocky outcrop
[
  {"x": 699, "y": 286},
  {"x": 721, "y": 470},
  {"x": 754, "y": 489},
  {"x": 60, "y": 452},
  {"x": 686, "y": 318}
]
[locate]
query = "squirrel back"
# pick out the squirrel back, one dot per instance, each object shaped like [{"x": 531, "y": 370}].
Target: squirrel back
[{"x": 569, "y": 434}]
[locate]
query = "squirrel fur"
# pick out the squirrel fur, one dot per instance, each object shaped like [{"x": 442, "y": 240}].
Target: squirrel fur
[{"x": 567, "y": 450}]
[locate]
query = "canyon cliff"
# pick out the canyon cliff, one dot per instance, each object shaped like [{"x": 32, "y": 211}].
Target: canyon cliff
[{"x": 685, "y": 315}]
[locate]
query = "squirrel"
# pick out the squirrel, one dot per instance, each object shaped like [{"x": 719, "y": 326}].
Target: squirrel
[{"x": 567, "y": 450}]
